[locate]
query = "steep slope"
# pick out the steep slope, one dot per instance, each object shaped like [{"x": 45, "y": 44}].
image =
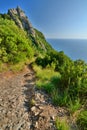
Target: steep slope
[
  {"x": 15, "y": 46},
  {"x": 18, "y": 39},
  {"x": 64, "y": 80},
  {"x": 22, "y": 21}
]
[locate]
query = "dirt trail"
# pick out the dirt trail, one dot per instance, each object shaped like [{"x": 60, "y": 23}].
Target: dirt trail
[
  {"x": 22, "y": 106},
  {"x": 13, "y": 110}
]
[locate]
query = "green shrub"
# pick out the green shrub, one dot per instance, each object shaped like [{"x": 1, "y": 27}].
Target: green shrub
[
  {"x": 59, "y": 98},
  {"x": 61, "y": 124},
  {"x": 15, "y": 45},
  {"x": 74, "y": 106},
  {"x": 55, "y": 79},
  {"x": 82, "y": 120},
  {"x": 48, "y": 87},
  {"x": 55, "y": 97}
]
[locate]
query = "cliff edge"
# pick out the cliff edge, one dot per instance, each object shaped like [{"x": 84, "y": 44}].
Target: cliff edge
[{"x": 21, "y": 20}]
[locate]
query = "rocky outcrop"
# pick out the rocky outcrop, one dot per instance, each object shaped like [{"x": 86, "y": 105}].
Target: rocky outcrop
[{"x": 21, "y": 20}]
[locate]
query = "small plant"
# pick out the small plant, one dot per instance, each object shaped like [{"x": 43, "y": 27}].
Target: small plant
[
  {"x": 61, "y": 124},
  {"x": 59, "y": 98},
  {"x": 32, "y": 102},
  {"x": 74, "y": 106},
  {"x": 48, "y": 87},
  {"x": 82, "y": 120},
  {"x": 44, "y": 75},
  {"x": 55, "y": 79},
  {"x": 55, "y": 97},
  {"x": 1, "y": 66},
  {"x": 17, "y": 67}
]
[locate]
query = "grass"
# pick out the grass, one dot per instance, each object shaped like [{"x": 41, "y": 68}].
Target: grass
[
  {"x": 47, "y": 79},
  {"x": 82, "y": 120},
  {"x": 55, "y": 97},
  {"x": 2, "y": 67},
  {"x": 73, "y": 107},
  {"x": 44, "y": 76},
  {"x": 61, "y": 124},
  {"x": 15, "y": 67}
]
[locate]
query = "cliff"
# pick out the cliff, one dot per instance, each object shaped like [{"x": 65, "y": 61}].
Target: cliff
[
  {"x": 21, "y": 20},
  {"x": 18, "y": 39}
]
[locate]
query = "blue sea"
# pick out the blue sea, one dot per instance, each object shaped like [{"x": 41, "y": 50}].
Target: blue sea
[{"x": 74, "y": 48}]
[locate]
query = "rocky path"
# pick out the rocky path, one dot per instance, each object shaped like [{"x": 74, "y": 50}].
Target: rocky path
[
  {"x": 13, "y": 111},
  {"x": 22, "y": 106}
]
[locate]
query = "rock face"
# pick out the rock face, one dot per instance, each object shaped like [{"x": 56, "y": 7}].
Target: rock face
[{"x": 21, "y": 20}]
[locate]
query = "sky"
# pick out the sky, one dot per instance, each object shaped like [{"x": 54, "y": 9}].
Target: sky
[{"x": 55, "y": 18}]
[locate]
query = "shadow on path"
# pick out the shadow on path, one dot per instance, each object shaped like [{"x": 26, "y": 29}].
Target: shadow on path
[{"x": 29, "y": 85}]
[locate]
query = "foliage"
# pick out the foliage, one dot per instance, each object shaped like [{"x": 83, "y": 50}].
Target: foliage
[
  {"x": 17, "y": 67},
  {"x": 40, "y": 42},
  {"x": 61, "y": 124},
  {"x": 15, "y": 46},
  {"x": 63, "y": 79},
  {"x": 74, "y": 106},
  {"x": 70, "y": 89},
  {"x": 56, "y": 60},
  {"x": 82, "y": 120},
  {"x": 5, "y": 16},
  {"x": 44, "y": 76}
]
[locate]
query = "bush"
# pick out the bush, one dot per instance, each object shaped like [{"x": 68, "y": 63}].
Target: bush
[
  {"x": 74, "y": 106},
  {"x": 61, "y": 125},
  {"x": 55, "y": 97},
  {"x": 48, "y": 87},
  {"x": 15, "y": 45},
  {"x": 82, "y": 120},
  {"x": 59, "y": 98}
]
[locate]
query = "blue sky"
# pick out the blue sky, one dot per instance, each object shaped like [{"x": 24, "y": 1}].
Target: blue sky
[{"x": 55, "y": 18}]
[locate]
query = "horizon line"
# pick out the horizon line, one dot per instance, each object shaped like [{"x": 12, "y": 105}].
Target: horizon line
[{"x": 66, "y": 38}]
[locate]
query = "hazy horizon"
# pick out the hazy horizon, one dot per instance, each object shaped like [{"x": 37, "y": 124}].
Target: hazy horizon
[
  {"x": 55, "y": 18},
  {"x": 66, "y": 38},
  {"x": 74, "y": 48}
]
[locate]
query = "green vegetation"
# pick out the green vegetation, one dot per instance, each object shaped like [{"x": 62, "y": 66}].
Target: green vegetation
[
  {"x": 82, "y": 120},
  {"x": 71, "y": 84},
  {"x": 44, "y": 76},
  {"x": 41, "y": 42},
  {"x": 69, "y": 87},
  {"x": 62, "y": 124},
  {"x": 63, "y": 79},
  {"x": 15, "y": 46}
]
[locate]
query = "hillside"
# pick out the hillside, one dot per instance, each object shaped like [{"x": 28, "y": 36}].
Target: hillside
[
  {"x": 60, "y": 85},
  {"x": 19, "y": 41}
]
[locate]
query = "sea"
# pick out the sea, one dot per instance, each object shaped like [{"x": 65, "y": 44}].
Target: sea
[{"x": 74, "y": 48}]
